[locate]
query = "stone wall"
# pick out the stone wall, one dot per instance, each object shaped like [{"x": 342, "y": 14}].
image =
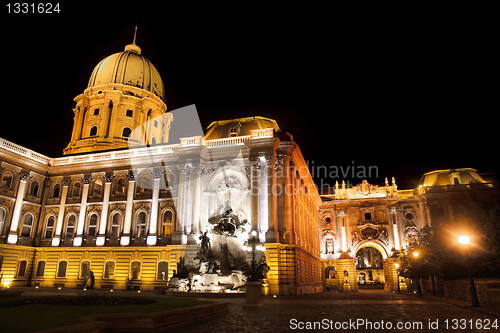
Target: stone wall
[{"x": 461, "y": 288}]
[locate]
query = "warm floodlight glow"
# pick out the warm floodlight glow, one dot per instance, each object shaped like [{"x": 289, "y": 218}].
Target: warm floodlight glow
[
  {"x": 253, "y": 233},
  {"x": 415, "y": 254},
  {"x": 397, "y": 266},
  {"x": 464, "y": 240}
]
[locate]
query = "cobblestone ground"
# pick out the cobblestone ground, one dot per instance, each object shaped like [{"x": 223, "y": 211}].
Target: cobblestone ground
[{"x": 341, "y": 312}]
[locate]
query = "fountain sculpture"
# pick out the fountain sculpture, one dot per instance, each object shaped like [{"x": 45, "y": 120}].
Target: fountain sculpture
[{"x": 220, "y": 264}]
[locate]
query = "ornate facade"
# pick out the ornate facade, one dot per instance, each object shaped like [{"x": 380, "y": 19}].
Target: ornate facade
[
  {"x": 126, "y": 204},
  {"x": 129, "y": 205},
  {"x": 362, "y": 226}
]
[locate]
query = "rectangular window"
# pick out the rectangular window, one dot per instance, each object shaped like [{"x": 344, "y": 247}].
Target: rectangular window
[
  {"x": 162, "y": 273},
  {"x": 96, "y": 112},
  {"x": 130, "y": 113},
  {"x": 109, "y": 270},
  {"x": 368, "y": 216},
  {"x": 233, "y": 131},
  {"x": 61, "y": 269},
  {"x": 40, "y": 269},
  {"x": 156, "y": 124}
]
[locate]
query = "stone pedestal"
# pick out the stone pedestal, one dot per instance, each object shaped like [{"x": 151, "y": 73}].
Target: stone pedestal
[
  {"x": 347, "y": 287},
  {"x": 211, "y": 279},
  {"x": 253, "y": 292},
  {"x": 346, "y": 263}
]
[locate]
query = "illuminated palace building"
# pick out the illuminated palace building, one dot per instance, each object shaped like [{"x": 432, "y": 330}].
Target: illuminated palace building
[{"x": 127, "y": 204}]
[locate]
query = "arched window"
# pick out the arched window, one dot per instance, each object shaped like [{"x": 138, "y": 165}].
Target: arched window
[
  {"x": 92, "y": 226},
  {"x": 144, "y": 183},
  {"x": 120, "y": 186},
  {"x": 162, "y": 271},
  {"x": 97, "y": 187},
  {"x": 61, "y": 268},
  {"x": 85, "y": 270},
  {"x": 126, "y": 132},
  {"x": 93, "y": 131},
  {"x": 49, "y": 227},
  {"x": 27, "y": 225},
  {"x": 56, "y": 191},
  {"x": 171, "y": 181},
  {"x": 140, "y": 225},
  {"x": 34, "y": 187},
  {"x": 3, "y": 216},
  {"x": 166, "y": 224},
  {"x": 7, "y": 180},
  {"x": 135, "y": 270},
  {"x": 21, "y": 267},
  {"x": 109, "y": 270},
  {"x": 75, "y": 190},
  {"x": 153, "y": 141},
  {"x": 70, "y": 227},
  {"x": 40, "y": 268},
  {"x": 116, "y": 220}
]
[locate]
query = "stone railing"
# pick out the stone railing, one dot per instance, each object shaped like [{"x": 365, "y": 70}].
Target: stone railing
[
  {"x": 133, "y": 152},
  {"x": 24, "y": 152}
]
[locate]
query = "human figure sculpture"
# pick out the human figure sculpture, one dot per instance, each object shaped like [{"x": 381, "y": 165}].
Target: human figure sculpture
[
  {"x": 205, "y": 248},
  {"x": 262, "y": 268},
  {"x": 346, "y": 276}
]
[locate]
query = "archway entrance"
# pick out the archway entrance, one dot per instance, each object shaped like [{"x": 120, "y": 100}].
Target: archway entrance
[{"x": 370, "y": 266}]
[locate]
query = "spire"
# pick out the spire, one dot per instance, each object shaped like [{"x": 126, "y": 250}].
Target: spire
[
  {"x": 133, "y": 47},
  {"x": 135, "y": 33}
]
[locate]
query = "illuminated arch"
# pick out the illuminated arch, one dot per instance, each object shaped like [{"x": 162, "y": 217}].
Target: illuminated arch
[{"x": 375, "y": 244}]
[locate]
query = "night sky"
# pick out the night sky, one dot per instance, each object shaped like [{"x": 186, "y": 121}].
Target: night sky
[{"x": 407, "y": 97}]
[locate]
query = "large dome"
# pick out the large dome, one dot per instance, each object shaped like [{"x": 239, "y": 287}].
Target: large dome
[{"x": 130, "y": 68}]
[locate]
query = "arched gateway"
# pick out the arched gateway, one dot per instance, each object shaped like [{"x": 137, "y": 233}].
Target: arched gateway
[{"x": 370, "y": 260}]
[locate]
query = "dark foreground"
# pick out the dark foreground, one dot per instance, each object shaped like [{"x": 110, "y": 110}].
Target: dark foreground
[{"x": 352, "y": 312}]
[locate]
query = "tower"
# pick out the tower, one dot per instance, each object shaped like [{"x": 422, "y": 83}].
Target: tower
[{"x": 125, "y": 91}]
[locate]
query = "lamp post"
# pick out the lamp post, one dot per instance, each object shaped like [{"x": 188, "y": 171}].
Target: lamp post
[
  {"x": 465, "y": 240},
  {"x": 397, "y": 276},
  {"x": 419, "y": 289},
  {"x": 253, "y": 285}
]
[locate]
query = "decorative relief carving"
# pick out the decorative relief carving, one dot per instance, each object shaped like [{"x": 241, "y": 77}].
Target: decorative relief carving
[{"x": 87, "y": 179}]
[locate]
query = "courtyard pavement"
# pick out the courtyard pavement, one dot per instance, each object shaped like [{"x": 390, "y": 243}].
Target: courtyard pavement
[
  {"x": 367, "y": 311},
  {"x": 357, "y": 312}
]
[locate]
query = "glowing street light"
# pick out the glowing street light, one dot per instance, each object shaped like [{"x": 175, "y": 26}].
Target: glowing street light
[
  {"x": 419, "y": 288},
  {"x": 465, "y": 240}
]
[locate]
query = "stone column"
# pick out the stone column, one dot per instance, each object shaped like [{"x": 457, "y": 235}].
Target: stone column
[
  {"x": 256, "y": 165},
  {"x": 341, "y": 215},
  {"x": 286, "y": 149},
  {"x": 195, "y": 226},
  {"x": 101, "y": 237},
  {"x": 390, "y": 274},
  {"x": 56, "y": 240},
  {"x": 16, "y": 215},
  {"x": 127, "y": 224},
  {"x": 83, "y": 210},
  {"x": 395, "y": 227},
  {"x": 271, "y": 234},
  {"x": 179, "y": 236},
  {"x": 153, "y": 222}
]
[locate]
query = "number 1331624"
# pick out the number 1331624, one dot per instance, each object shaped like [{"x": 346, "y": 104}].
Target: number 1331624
[{"x": 33, "y": 8}]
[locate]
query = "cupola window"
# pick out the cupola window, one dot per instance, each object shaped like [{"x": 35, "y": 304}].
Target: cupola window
[
  {"x": 126, "y": 132},
  {"x": 233, "y": 131},
  {"x": 130, "y": 113},
  {"x": 96, "y": 112},
  {"x": 93, "y": 131}
]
